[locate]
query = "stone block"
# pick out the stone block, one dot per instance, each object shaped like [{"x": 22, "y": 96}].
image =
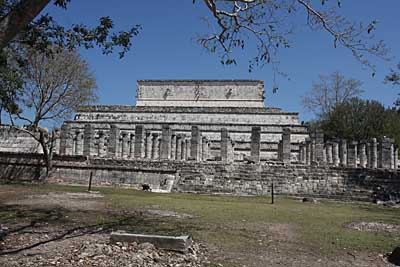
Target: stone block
[{"x": 175, "y": 243}]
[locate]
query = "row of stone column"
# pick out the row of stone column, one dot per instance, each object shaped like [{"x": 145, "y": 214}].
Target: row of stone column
[
  {"x": 353, "y": 154},
  {"x": 140, "y": 144}
]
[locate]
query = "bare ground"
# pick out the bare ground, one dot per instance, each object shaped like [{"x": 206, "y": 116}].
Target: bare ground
[{"x": 72, "y": 229}]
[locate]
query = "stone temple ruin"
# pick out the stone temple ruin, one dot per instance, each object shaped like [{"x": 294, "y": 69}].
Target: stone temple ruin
[
  {"x": 211, "y": 136},
  {"x": 185, "y": 120}
]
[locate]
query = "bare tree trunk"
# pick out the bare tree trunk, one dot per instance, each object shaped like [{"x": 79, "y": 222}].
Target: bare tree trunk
[{"x": 18, "y": 18}]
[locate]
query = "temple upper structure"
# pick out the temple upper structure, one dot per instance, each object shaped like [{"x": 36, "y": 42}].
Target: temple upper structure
[
  {"x": 209, "y": 113},
  {"x": 200, "y": 93}
]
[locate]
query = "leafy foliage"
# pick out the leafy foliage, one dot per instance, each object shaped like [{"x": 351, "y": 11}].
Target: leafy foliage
[
  {"x": 358, "y": 119},
  {"x": 44, "y": 32},
  {"x": 43, "y": 35}
]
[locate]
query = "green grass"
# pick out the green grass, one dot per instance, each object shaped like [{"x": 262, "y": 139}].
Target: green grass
[{"x": 236, "y": 223}]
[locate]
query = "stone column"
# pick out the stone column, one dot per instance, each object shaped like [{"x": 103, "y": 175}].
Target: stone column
[
  {"x": 101, "y": 152},
  {"x": 184, "y": 155},
  {"x": 308, "y": 151},
  {"x": 319, "y": 147},
  {"x": 78, "y": 148},
  {"x": 304, "y": 152},
  {"x": 125, "y": 145},
  {"x": 352, "y": 154},
  {"x": 363, "y": 155},
  {"x": 255, "y": 144},
  {"x": 139, "y": 139},
  {"x": 88, "y": 140},
  {"x": 200, "y": 146},
  {"x": 131, "y": 146},
  {"x": 392, "y": 156},
  {"x": 286, "y": 145},
  {"x": 187, "y": 144},
  {"x": 65, "y": 140},
  {"x": 173, "y": 146},
  {"x": 374, "y": 153},
  {"x": 300, "y": 153},
  {"x": 385, "y": 157},
  {"x": 329, "y": 156},
  {"x": 165, "y": 152},
  {"x": 335, "y": 154},
  {"x": 396, "y": 157},
  {"x": 75, "y": 142},
  {"x": 113, "y": 141},
  {"x": 155, "y": 146},
  {"x": 204, "y": 149},
  {"x": 224, "y": 144},
  {"x": 148, "y": 145},
  {"x": 343, "y": 152},
  {"x": 56, "y": 149},
  {"x": 179, "y": 147},
  {"x": 195, "y": 143},
  {"x": 312, "y": 151}
]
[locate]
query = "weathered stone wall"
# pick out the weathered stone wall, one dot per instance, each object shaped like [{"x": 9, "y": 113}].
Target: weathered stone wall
[
  {"x": 200, "y": 93},
  {"x": 211, "y": 177},
  {"x": 13, "y": 140}
]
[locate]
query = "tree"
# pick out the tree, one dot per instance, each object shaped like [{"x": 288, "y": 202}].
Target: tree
[
  {"x": 358, "y": 119},
  {"x": 54, "y": 86},
  {"x": 393, "y": 77},
  {"x": 329, "y": 92},
  {"x": 19, "y": 27},
  {"x": 269, "y": 23}
]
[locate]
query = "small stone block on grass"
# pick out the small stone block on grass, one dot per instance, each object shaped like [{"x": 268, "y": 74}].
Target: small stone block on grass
[{"x": 175, "y": 243}]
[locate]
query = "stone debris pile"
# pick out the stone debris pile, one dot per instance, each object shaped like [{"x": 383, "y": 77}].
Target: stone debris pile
[{"x": 96, "y": 251}]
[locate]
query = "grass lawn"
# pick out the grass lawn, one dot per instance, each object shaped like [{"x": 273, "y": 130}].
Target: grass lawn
[{"x": 242, "y": 225}]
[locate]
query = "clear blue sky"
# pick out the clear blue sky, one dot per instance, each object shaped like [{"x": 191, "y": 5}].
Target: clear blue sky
[{"x": 166, "y": 49}]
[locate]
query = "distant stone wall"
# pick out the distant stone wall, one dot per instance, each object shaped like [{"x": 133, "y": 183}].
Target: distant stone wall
[
  {"x": 13, "y": 140},
  {"x": 211, "y": 177}
]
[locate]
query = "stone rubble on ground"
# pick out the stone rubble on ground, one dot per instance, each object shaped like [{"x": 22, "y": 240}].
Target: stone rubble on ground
[{"x": 96, "y": 251}]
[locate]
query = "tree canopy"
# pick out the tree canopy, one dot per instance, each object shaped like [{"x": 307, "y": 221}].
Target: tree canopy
[{"x": 358, "y": 119}]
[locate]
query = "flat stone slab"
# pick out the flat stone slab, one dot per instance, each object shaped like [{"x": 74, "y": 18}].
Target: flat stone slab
[{"x": 176, "y": 243}]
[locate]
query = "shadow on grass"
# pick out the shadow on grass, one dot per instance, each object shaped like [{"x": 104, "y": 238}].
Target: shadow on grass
[
  {"x": 54, "y": 219},
  {"x": 56, "y": 224}
]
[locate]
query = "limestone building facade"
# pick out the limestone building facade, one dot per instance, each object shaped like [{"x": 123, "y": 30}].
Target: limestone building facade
[{"x": 170, "y": 115}]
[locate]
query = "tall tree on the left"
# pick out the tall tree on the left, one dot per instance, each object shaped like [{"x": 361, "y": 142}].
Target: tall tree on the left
[
  {"x": 33, "y": 43},
  {"x": 22, "y": 24}
]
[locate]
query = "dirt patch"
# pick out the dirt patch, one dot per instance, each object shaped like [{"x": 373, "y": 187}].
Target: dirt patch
[
  {"x": 168, "y": 213},
  {"x": 374, "y": 227},
  {"x": 70, "y": 201}
]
